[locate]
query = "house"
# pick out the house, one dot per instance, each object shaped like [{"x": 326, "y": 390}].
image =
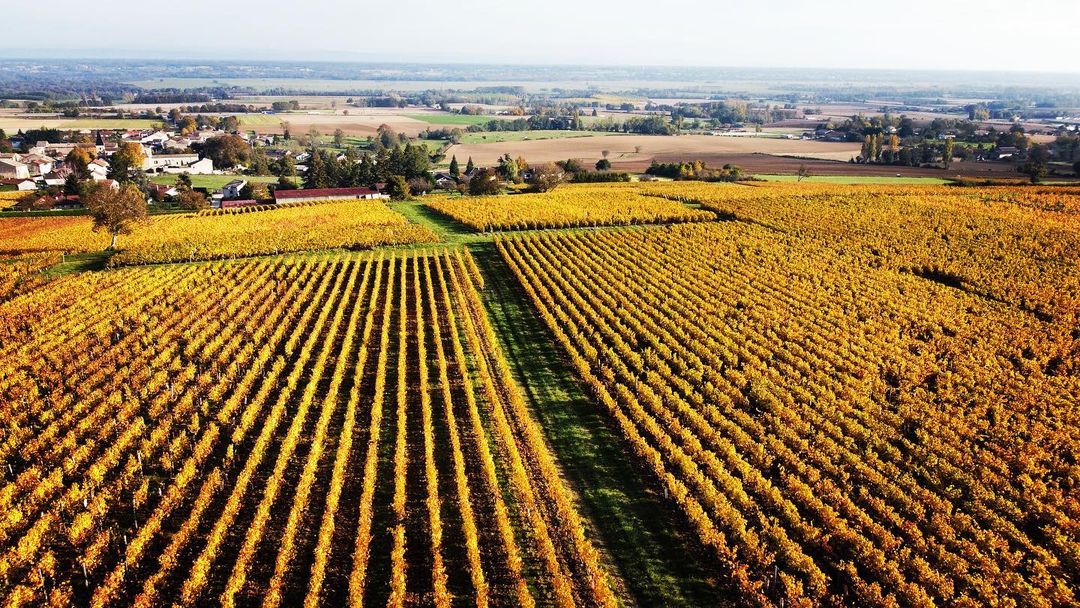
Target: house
[
  {"x": 178, "y": 163},
  {"x": 98, "y": 168},
  {"x": 155, "y": 139},
  {"x": 14, "y": 169},
  {"x": 232, "y": 189},
  {"x": 444, "y": 181},
  {"x": 22, "y": 185},
  {"x": 326, "y": 194},
  {"x": 204, "y": 166},
  {"x": 161, "y": 161},
  {"x": 39, "y": 165},
  {"x": 163, "y": 191}
]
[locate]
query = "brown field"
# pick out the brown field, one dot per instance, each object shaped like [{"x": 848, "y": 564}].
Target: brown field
[
  {"x": 651, "y": 147},
  {"x": 781, "y": 165}
]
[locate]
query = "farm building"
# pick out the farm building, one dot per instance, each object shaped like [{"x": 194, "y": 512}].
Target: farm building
[
  {"x": 326, "y": 194},
  {"x": 232, "y": 189},
  {"x": 13, "y": 169},
  {"x": 21, "y": 185}
]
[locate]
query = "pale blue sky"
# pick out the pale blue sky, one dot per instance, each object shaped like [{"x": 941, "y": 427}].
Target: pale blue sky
[{"x": 1037, "y": 35}]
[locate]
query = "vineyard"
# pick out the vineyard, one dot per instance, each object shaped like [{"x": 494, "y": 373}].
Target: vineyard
[
  {"x": 567, "y": 207},
  {"x": 761, "y": 394},
  {"x": 1020, "y": 246},
  {"x": 191, "y": 237},
  {"x": 836, "y": 434},
  {"x": 315, "y": 431},
  {"x": 22, "y": 272},
  {"x": 9, "y": 198}
]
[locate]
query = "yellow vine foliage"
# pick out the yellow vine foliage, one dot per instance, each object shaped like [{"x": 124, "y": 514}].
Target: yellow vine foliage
[
  {"x": 171, "y": 403},
  {"x": 838, "y": 433},
  {"x": 568, "y": 206},
  {"x": 195, "y": 237}
]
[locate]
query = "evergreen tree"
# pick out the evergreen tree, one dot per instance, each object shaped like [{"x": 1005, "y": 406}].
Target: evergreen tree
[
  {"x": 316, "y": 175},
  {"x": 365, "y": 171}
]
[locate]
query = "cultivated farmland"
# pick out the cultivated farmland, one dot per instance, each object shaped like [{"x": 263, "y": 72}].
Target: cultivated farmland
[
  {"x": 570, "y": 206},
  {"x": 191, "y": 237},
  {"x": 319, "y": 438},
  {"x": 644, "y": 393}
]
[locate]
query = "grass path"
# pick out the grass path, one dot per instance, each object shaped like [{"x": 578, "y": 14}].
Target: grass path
[{"x": 645, "y": 540}]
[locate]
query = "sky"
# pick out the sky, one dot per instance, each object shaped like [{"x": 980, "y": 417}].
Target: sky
[{"x": 996, "y": 35}]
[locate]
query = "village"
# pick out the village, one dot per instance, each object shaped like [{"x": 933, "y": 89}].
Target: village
[{"x": 51, "y": 174}]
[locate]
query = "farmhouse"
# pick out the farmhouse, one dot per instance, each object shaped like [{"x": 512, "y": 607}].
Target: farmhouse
[
  {"x": 232, "y": 189},
  {"x": 14, "y": 169},
  {"x": 178, "y": 163},
  {"x": 326, "y": 194}
]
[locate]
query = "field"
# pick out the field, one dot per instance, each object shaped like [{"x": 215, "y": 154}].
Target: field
[
  {"x": 212, "y": 182},
  {"x": 9, "y": 198},
  {"x": 340, "y": 449},
  {"x": 463, "y": 120},
  {"x": 12, "y": 124},
  {"x": 639, "y": 150},
  {"x": 855, "y": 179},
  {"x": 641, "y": 394},
  {"x": 504, "y": 136},
  {"x": 567, "y": 207},
  {"x": 192, "y": 237},
  {"x": 838, "y": 434}
]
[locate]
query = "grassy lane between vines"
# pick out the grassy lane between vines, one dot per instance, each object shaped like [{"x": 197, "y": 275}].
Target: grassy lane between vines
[{"x": 643, "y": 539}]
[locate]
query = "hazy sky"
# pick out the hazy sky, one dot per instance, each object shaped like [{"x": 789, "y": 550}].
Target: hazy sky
[{"x": 1037, "y": 35}]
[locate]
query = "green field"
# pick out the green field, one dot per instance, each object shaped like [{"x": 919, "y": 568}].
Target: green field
[
  {"x": 17, "y": 123},
  {"x": 259, "y": 120},
  {"x": 462, "y": 120},
  {"x": 213, "y": 182},
  {"x": 503, "y": 136},
  {"x": 856, "y": 179}
]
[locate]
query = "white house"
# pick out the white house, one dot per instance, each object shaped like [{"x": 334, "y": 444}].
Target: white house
[
  {"x": 14, "y": 169},
  {"x": 199, "y": 167},
  {"x": 233, "y": 188},
  {"x": 178, "y": 163},
  {"x": 99, "y": 169}
]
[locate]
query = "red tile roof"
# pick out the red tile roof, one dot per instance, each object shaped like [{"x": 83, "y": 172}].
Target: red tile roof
[{"x": 286, "y": 194}]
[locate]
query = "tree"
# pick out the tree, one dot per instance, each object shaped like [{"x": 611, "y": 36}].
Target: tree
[
  {"x": 419, "y": 185},
  {"x": 397, "y": 188},
  {"x": 803, "y": 172},
  {"x": 128, "y": 158},
  {"x": 508, "y": 169},
  {"x": 79, "y": 159},
  {"x": 71, "y": 184},
  {"x": 192, "y": 200},
  {"x": 286, "y": 167},
  {"x": 603, "y": 165},
  {"x": 226, "y": 151},
  {"x": 946, "y": 157},
  {"x": 317, "y": 174},
  {"x": 455, "y": 170},
  {"x": 546, "y": 177},
  {"x": 485, "y": 182},
  {"x": 115, "y": 211},
  {"x": 1036, "y": 165},
  {"x": 572, "y": 165},
  {"x": 259, "y": 191}
]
